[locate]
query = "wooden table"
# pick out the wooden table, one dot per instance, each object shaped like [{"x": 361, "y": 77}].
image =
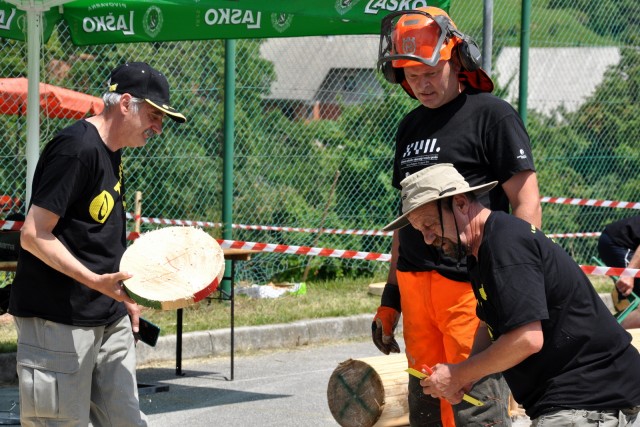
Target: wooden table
[{"x": 232, "y": 255}]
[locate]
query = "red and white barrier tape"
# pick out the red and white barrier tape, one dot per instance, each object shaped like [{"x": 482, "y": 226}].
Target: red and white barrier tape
[
  {"x": 610, "y": 271},
  {"x": 162, "y": 221},
  {"x": 315, "y": 230},
  {"x": 16, "y": 225},
  {"x": 370, "y": 256},
  {"x": 373, "y": 256},
  {"x": 11, "y": 225},
  {"x": 342, "y": 231},
  {"x": 591, "y": 202},
  {"x": 573, "y": 235},
  {"x": 312, "y": 230},
  {"x": 544, "y": 199},
  {"x": 304, "y": 250}
]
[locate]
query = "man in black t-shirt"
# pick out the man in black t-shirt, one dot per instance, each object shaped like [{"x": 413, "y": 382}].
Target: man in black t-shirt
[
  {"x": 76, "y": 355},
  {"x": 458, "y": 121},
  {"x": 564, "y": 356},
  {"x": 619, "y": 246}
]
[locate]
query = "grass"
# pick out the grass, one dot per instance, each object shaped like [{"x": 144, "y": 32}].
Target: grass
[{"x": 323, "y": 299}]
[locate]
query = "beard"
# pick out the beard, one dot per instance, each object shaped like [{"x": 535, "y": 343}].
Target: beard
[{"x": 450, "y": 248}]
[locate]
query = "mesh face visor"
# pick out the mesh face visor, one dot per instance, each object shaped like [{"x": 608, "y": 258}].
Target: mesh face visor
[{"x": 414, "y": 37}]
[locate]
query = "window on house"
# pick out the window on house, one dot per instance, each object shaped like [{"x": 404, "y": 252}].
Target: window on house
[{"x": 349, "y": 83}]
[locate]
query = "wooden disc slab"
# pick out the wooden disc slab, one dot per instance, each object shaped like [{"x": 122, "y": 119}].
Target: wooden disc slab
[{"x": 172, "y": 267}]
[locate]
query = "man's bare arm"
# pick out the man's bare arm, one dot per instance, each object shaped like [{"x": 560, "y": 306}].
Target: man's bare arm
[{"x": 524, "y": 197}]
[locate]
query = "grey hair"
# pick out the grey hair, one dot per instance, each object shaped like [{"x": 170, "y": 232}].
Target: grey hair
[{"x": 111, "y": 98}]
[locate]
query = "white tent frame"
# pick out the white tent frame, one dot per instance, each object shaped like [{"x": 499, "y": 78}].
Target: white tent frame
[{"x": 34, "y": 10}]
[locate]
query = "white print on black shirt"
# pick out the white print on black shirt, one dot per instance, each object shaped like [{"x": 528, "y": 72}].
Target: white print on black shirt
[
  {"x": 522, "y": 155},
  {"x": 420, "y": 153}
]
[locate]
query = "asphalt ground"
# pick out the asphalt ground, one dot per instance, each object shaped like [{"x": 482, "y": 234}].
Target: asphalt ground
[
  {"x": 286, "y": 387},
  {"x": 281, "y": 373},
  {"x": 276, "y": 387}
]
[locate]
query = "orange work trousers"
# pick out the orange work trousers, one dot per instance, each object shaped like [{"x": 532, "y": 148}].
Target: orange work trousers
[{"x": 439, "y": 322}]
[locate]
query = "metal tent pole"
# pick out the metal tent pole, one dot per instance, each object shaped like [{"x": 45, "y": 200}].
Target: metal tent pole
[
  {"x": 32, "y": 150},
  {"x": 229, "y": 130},
  {"x": 524, "y": 59},
  {"x": 487, "y": 36}
]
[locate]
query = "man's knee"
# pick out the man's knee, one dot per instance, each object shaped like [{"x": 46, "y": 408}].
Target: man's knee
[{"x": 494, "y": 393}]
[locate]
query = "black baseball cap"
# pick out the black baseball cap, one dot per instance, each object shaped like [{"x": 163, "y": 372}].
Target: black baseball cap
[{"x": 142, "y": 81}]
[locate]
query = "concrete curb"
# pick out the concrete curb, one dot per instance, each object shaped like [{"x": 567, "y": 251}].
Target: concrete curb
[
  {"x": 247, "y": 338},
  {"x": 250, "y": 338}
]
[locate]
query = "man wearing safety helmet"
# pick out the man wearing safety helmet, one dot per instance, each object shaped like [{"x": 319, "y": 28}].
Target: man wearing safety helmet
[{"x": 458, "y": 122}]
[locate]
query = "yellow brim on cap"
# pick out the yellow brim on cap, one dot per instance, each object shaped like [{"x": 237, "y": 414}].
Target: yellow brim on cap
[{"x": 169, "y": 111}]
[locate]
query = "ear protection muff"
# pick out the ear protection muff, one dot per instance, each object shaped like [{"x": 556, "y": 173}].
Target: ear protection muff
[
  {"x": 467, "y": 49},
  {"x": 396, "y": 76},
  {"x": 468, "y": 52},
  {"x": 392, "y": 74}
]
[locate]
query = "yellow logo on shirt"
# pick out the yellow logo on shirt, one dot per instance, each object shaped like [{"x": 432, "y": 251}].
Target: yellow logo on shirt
[
  {"x": 101, "y": 206},
  {"x": 490, "y": 331},
  {"x": 483, "y": 293}
]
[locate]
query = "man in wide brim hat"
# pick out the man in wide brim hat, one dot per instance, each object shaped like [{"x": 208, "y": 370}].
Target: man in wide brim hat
[{"x": 564, "y": 356}]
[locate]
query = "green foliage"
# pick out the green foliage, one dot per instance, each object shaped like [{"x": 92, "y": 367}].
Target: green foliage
[
  {"x": 598, "y": 16},
  {"x": 285, "y": 165},
  {"x": 593, "y": 151},
  {"x": 551, "y": 26}
]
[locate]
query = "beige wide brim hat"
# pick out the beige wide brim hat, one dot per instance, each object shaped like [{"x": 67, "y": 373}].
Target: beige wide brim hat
[
  {"x": 430, "y": 184},
  {"x": 172, "y": 267}
]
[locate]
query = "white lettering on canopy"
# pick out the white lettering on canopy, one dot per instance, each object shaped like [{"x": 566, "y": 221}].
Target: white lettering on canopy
[
  {"x": 109, "y": 23},
  {"x": 233, "y": 17},
  {"x": 5, "y": 21},
  {"x": 375, "y": 6}
]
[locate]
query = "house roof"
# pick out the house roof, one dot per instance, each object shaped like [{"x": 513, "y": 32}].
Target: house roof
[
  {"x": 557, "y": 76},
  {"x": 302, "y": 63}
]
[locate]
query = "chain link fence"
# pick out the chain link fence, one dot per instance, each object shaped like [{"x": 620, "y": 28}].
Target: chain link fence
[{"x": 315, "y": 124}]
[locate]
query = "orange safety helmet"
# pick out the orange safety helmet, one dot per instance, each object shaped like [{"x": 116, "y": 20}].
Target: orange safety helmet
[
  {"x": 423, "y": 35},
  {"x": 426, "y": 36}
]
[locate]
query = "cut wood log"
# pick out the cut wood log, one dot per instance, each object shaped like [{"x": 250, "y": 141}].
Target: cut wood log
[{"x": 369, "y": 392}]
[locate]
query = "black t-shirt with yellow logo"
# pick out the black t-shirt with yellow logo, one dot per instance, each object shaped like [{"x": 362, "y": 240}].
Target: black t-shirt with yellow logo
[
  {"x": 79, "y": 179},
  {"x": 587, "y": 360}
]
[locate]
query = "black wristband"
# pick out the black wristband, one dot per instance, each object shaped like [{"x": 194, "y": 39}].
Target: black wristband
[{"x": 391, "y": 297}]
